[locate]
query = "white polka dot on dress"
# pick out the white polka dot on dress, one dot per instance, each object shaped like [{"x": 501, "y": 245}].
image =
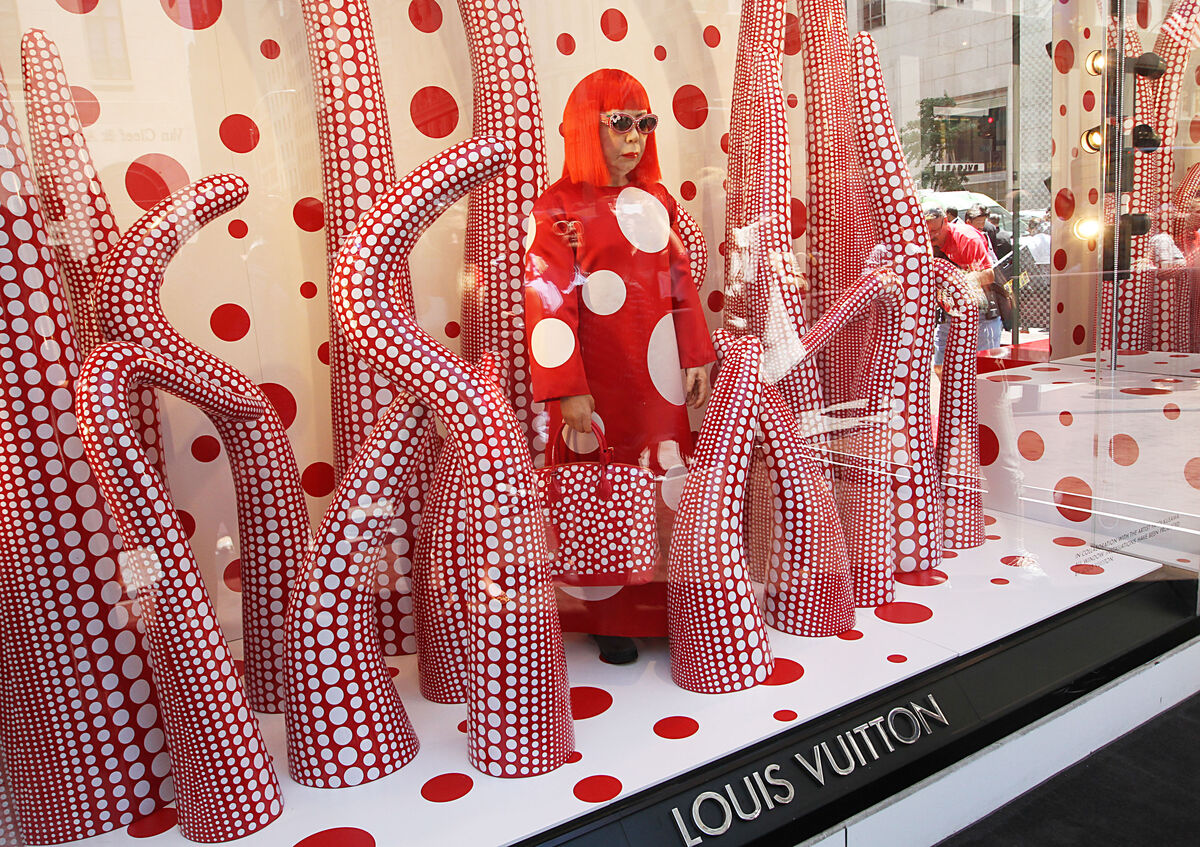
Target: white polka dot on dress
[{"x": 643, "y": 220}]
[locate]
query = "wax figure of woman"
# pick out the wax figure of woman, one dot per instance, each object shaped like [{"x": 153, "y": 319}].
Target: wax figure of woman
[{"x": 615, "y": 329}]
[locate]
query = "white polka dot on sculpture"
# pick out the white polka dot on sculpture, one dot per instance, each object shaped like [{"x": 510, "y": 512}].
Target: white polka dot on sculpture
[
  {"x": 643, "y": 220},
  {"x": 552, "y": 342},
  {"x": 603, "y": 292},
  {"x": 672, "y": 486},
  {"x": 662, "y": 361}
]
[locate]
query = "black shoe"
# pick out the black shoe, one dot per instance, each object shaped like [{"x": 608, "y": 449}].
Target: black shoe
[{"x": 616, "y": 649}]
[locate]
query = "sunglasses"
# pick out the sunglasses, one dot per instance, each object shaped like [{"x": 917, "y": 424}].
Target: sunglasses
[{"x": 623, "y": 122}]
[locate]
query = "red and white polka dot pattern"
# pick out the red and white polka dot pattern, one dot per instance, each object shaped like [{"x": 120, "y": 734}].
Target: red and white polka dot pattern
[
  {"x": 958, "y": 415},
  {"x": 70, "y": 634},
  {"x": 518, "y": 718},
  {"x": 718, "y": 639},
  {"x": 506, "y": 105},
  {"x": 225, "y": 786},
  {"x": 693, "y": 241},
  {"x": 345, "y": 722},
  {"x": 273, "y": 526}
]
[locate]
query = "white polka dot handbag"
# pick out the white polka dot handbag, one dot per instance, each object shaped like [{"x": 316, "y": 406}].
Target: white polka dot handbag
[{"x": 600, "y": 524}]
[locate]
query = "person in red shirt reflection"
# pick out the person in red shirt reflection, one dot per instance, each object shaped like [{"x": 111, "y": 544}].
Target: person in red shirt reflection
[
  {"x": 615, "y": 331},
  {"x": 966, "y": 248}
]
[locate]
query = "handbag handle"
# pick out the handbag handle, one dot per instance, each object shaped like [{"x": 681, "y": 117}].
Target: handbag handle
[{"x": 603, "y": 485}]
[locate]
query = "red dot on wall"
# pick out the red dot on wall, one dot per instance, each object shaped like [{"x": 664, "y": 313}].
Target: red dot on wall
[
  {"x": 792, "y": 100},
  {"x": 283, "y": 401},
  {"x": 239, "y": 133},
  {"x": 1064, "y": 56},
  {"x": 1078, "y": 334},
  {"x": 1089, "y": 100},
  {"x": 433, "y": 111},
  {"x": 1123, "y": 449},
  {"x": 1143, "y": 13},
  {"x": 725, "y": 143},
  {"x": 79, "y": 7},
  {"x": 187, "y": 523},
  {"x": 205, "y": 448},
  {"x": 687, "y": 190},
  {"x": 613, "y": 25},
  {"x": 453, "y": 330},
  {"x": 712, "y": 36},
  {"x": 309, "y": 214},
  {"x": 799, "y": 217},
  {"x": 565, "y": 44},
  {"x": 1093, "y": 196},
  {"x": 716, "y": 301},
  {"x": 229, "y": 322},
  {"x": 318, "y": 479},
  {"x": 660, "y": 53},
  {"x": 597, "y": 789},
  {"x": 425, "y": 15},
  {"x": 1062, "y": 110},
  {"x": 232, "y": 575},
  {"x": 192, "y": 14},
  {"x": 1066, "y": 418},
  {"x": 1170, "y": 411},
  {"x": 323, "y": 352},
  {"x": 1194, "y": 127},
  {"x": 1030, "y": 445},
  {"x": 308, "y": 289},
  {"x": 1073, "y": 498},
  {"x": 269, "y": 48},
  {"x": 87, "y": 107},
  {"x": 152, "y": 177},
  {"x": 1064, "y": 204},
  {"x": 1191, "y": 472},
  {"x": 989, "y": 445},
  {"x": 690, "y": 106},
  {"x": 237, "y": 228},
  {"x": 792, "y": 37},
  {"x": 1060, "y": 259}
]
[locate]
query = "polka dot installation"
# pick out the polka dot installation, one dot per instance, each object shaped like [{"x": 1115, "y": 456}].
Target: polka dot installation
[
  {"x": 225, "y": 787},
  {"x": 717, "y": 637},
  {"x": 957, "y": 450},
  {"x": 61, "y": 568},
  {"x": 517, "y": 704},
  {"x": 264, "y": 469}
]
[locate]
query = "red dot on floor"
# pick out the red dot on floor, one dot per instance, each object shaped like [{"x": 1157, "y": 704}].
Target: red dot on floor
[
  {"x": 1089, "y": 570},
  {"x": 988, "y": 520},
  {"x": 155, "y": 823},
  {"x": 676, "y": 726},
  {"x": 205, "y": 448},
  {"x": 992, "y": 537},
  {"x": 949, "y": 554},
  {"x": 785, "y": 715},
  {"x": 447, "y": 787},
  {"x": 1145, "y": 392},
  {"x": 1069, "y": 541},
  {"x": 850, "y": 635},
  {"x": 929, "y": 576},
  {"x": 999, "y": 581},
  {"x": 587, "y": 702},
  {"x": 897, "y": 659},
  {"x": 902, "y": 612},
  {"x": 786, "y": 671},
  {"x": 342, "y": 836},
  {"x": 597, "y": 789},
  {"x": 1018, "y": 561},
  {"x": 232, "y": 576},
  {"x": 318, "y": 479},
  {"x": 393, "y": 671},
  {"x": 575, "y": 756},
  {"x": 308, "y": 289}
]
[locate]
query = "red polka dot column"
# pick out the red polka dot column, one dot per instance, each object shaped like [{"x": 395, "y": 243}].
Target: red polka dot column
[
  {"x": 273, "y": 523},
  {"x": 518, "y": 712},
  {"x": 345, "y": 722},
  {"x": 59, "y": 574},
  {"x": 957, "y": 455},
  {"x": 808, "y": 590},
  {"x": 225, "y": 787},
  {"x": 917, "y": 524},
  {"x": 717, "y": 636},
  {"x": 506, "y": 105}
]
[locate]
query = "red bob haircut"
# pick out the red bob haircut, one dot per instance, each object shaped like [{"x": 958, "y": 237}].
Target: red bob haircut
[{"x": 604, "y": 90}]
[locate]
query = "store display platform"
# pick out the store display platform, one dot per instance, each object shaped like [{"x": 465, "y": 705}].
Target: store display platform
[{"x": 636, "y": 729}]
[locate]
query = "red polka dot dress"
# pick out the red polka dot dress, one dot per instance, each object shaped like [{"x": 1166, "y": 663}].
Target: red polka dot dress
[{"x": 611, "y": 311}]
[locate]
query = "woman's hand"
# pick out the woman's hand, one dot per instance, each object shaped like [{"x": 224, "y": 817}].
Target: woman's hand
[
  {"x": 696, "y": 387},
  {"x": 577, "y": 411}
]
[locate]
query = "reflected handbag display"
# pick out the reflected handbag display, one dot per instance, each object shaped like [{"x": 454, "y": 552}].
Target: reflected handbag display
[{"x": 600, "y": 518}]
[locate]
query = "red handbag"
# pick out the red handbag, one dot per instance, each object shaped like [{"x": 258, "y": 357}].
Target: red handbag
[{"x": 600, "y": 523}]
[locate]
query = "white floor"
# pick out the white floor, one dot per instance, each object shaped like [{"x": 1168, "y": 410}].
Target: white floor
[{"x": 628, "y": 743}]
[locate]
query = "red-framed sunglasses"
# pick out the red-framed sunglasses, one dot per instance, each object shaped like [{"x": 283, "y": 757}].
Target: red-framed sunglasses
[{"x": 623, "y": 122}]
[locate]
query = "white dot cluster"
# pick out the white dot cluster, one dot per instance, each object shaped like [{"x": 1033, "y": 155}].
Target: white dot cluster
[
  {"x": 518, "y": 712},
  {"x": 506, "y": 105},
  {"x": 717, "y": 636},
  {"x": 957, "y": 452},
  {"x": 346, "y": 724},
  {"x": 225, "y": 785},
  {"x": 808, "y": 591},
  {"x": 759, "y": 517},
  {"x": 78, "y": 217},
  {"x": 273, "y": 526}
]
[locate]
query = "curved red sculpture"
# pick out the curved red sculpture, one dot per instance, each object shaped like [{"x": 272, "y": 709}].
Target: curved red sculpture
[
  {"x": 225, "y": 787},
  {"x": 518, "y": 715}
]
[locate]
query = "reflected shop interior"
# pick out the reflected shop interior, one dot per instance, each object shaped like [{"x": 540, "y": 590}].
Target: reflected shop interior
[{"x": 588, "y": 423}]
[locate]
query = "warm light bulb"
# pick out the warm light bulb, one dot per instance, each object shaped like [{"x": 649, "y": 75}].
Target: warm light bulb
[
  {"x": 1092, "y": 139},
  {"x": 1094, "y": 63},
  {"x": 1086, "y": 228}
]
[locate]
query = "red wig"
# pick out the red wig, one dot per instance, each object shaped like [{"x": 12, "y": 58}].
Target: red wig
[{"x": 605, "y": 90}]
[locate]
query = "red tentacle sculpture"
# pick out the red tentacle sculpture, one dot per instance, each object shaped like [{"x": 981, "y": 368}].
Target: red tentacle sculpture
[
  {"x": 917, "y": 521},
  {"x": 693, "y": 241},
  {"x": 224, "y": 783},
  {"x": 717, "y": 636},
  {"x": 958, "y": 415},
  {"x": 272, "y": 515},
  {"x": 345, "y": 722},
  {"x": 58, "y": 567},
  {"x": 518, "y": 716}
]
